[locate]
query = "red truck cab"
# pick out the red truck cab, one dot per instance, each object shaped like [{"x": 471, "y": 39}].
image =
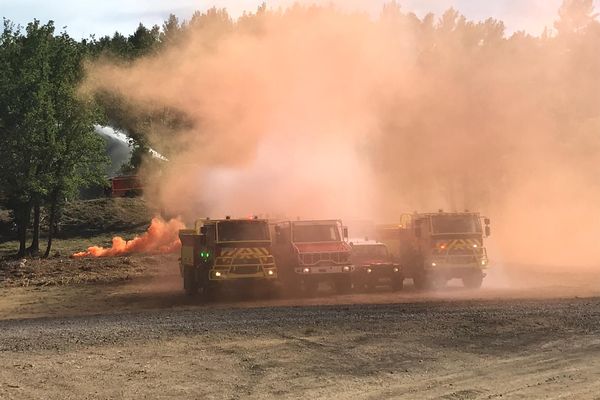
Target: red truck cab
[
  {"x": 374, "y": 266},
  {"x": 313, "y": 252}
]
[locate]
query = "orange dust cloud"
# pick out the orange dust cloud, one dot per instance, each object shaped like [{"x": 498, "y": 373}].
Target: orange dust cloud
[
  {"x": 161, "y": 237},
  {"x": 325, "y": 113}
]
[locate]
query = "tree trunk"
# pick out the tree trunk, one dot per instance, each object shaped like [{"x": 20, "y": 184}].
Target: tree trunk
[
  {"x": 22, "y": 213},
  {"x": 51, "y": 221},
  {"x": 22, "y": 234},
  {"x": 34, "y": 249}
]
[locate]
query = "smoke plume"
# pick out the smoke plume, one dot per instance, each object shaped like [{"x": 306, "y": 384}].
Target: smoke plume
[
  {"x": 161, "y": 237},
  {"x": 316, "y": 112}
]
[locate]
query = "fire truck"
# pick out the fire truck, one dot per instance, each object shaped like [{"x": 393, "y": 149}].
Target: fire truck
[
  {"x": 434, "y": 248},
  {"x": 218, "y": 253},
  {"x": 125, "y": 186},
  {"x": 309, "y": 253},
  {"x": 374, "y": 266}
]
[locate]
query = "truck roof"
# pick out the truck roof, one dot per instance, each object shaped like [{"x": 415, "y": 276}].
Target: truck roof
[
  {"x": 363, "y": 242},
  {"x": 443, "y": 213},
  {"x": 316, "y": 222},
  {"x": 214, "y": 221}
]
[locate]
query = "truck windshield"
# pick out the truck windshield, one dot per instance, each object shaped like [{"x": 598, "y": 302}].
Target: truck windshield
[
  {"x": 316, "y": 233},
  {"x": 456, "y": 224},
  {"x": 370, "y": 251},
  {"x": 240, "y": 231}
]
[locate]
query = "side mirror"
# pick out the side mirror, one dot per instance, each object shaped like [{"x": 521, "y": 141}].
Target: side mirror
[
  {"x": 278, "y": 237},
  {"x": 345, "y": 232},
  {"x": 487, "y": 231},
  {"x": 418, "y": 231},
  {"x": 203, "y": 230},
  {"x": 486, "y": 221}
]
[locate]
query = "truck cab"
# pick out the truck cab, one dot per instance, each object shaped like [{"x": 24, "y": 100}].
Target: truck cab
[
  {"x": 228, "y": 251},
  {"x": 437, "y": 247},
  {"x": 374, "y": 266},
  {"x": 313, "y": 252}
]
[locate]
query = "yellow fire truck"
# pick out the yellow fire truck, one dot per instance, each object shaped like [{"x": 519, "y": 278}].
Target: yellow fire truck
[
  {"x": 226, "y": 252},
  {"x": 434, "y": 248}
]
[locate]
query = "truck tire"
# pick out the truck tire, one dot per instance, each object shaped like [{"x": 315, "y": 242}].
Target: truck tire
[
  {"x": 210, "y": 292},
  {"x": 310, "y": 287},
  {"x": 473, "y": 281},
  {"x": 398, "y": 283},
  {"x": 272, "y": 290},
  {"x": 420, "y": 281},
  {"x": 293, "y": 290},
  {"x": 343, "y": 285},
  {"x": 438, "y": 283},
  {"x": 190, "y": 280}
]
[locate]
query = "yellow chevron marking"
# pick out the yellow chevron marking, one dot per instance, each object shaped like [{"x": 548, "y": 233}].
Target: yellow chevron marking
[
  {"x": 463, "y": 244},
  {"x": 244, "y": 252},
  {"x": 228, "y": 252},
  {"x": 456, "y": 244}
]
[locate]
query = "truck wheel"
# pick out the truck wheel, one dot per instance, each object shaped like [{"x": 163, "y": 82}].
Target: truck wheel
[
  {"x": 420, "y": 281},
  {"x": 270, "y": 290},
  {"x": 210, "y": 292},
  {"x": 397, "y": 283},
  {"x": 292, "y": 290},
  {"x": 343, "y": 285},
  {"x": 190, "y": 280},
  {"x": 438, "y": 283},
  {"x": 310, "y": 287},
  {"x": 473, "y": 281},
  {"x": 369, "y": 287}
]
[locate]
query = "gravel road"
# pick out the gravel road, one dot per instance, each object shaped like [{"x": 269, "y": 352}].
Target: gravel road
[{"x": 459, "y": 349}]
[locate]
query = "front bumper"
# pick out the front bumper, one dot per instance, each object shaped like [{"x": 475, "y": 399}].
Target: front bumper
[
  {"x": 449, "y": 269},
  {"x": 320, "y": 270},
  {"x": 243, "y": 272},
  {"x": 377, "y": 273}
]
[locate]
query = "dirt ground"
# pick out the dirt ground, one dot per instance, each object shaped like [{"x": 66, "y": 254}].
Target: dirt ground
[{"x": 519, "y": 337}]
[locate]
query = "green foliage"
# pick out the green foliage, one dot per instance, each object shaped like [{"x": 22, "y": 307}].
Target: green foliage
[
  {"x": 575, "y": 16},
  {"x": 142, "y": 42},
  {"x": 48, "y": 142}
]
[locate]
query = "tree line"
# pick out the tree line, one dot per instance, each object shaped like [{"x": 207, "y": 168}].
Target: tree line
[{"x": 48, "y": 148}]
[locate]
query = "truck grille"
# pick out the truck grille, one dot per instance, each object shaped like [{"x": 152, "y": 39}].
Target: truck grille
[
  {"x": 246, "y": 261},
  {"x": 459, "y": 259},
  {"x": 245, "y": 269},
  {"x": 324, "y": 258}
]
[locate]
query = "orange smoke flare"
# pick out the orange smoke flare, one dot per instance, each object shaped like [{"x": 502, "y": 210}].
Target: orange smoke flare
[{"x": 161, "y": 237}]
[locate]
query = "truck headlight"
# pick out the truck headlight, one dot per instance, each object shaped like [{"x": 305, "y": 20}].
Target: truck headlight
[
  {"x": 346, "y": 269},
  {"x": 270, "y": 272},
  {"x": 218, "y": 274},
  {"x": 306, "y": 270},
  {"x": 433, "y": 264},
  {"x": 396, "y": 269},
  {"x": 484, "y": 262},
  {"x": 369, "y": 270}
]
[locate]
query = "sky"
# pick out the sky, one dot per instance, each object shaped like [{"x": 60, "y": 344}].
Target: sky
[{"x": 85, "y": 17}]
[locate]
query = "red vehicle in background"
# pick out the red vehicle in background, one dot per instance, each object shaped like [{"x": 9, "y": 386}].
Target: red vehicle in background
[
  {"x": 125, "y": 186},
  {"x": 374, "y": 266}
]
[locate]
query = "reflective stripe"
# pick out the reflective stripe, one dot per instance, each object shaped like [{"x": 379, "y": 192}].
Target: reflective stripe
[
  {"x": 463, "y": 244},
  {"x": 244, "y": 252}
]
